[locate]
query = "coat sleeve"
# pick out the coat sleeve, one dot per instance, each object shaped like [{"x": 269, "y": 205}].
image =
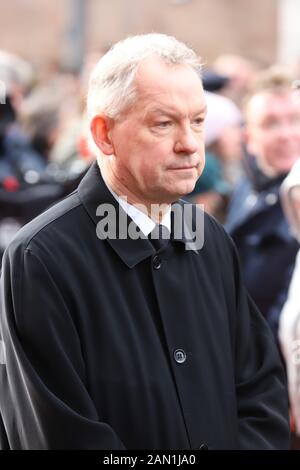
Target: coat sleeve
[
  {"x": 262, "y": 403},
  {"x": 44, "y": 400}
]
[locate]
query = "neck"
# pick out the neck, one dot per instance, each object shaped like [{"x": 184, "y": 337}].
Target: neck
[{"x": 154, "y": 210}]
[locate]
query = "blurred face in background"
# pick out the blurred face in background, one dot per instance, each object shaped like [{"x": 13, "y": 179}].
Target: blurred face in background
[
  {"x": 273, "y": 130},
  {"x": 228, "y": 146}
]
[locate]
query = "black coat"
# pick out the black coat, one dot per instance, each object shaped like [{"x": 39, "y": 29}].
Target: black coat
[
  {"x": 108, "y": 344},
  {"x": 266, "y": 247}
]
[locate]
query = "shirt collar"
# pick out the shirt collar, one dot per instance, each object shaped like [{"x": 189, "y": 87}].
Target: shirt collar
[{"x": 145, "y": 223}]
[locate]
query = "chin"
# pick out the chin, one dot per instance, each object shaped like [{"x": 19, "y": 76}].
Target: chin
[
  {"x": 186, "y": 188},
  {"x": 172, "y": 192},
  {"x": 174, "y": 196}
]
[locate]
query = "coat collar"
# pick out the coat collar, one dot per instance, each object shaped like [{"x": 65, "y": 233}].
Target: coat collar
[{"x": 93, "y": 192}]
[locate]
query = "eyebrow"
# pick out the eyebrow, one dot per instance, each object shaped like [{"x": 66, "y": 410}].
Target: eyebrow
[{"x": 171, "y": 113}]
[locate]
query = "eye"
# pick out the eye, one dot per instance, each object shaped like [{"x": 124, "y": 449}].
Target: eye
[
  {"x": 198, "y": 121},
  {"x": 270, "y": 124},
  {"x": 163, "y": 124}
]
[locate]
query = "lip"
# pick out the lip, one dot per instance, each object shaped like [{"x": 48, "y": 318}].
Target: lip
[{"x": 184, "y": 167}]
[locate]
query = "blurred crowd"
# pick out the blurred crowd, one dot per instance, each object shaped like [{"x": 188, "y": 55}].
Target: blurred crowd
[{"x": 251, "y": 181}]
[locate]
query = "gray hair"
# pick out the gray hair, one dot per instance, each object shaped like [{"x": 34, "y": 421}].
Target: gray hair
[{"x": 111, "y": 86}]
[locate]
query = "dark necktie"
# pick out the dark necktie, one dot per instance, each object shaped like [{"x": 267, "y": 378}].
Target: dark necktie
[{"x": 160, "y": 236}]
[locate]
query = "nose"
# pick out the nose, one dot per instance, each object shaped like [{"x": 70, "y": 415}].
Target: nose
[{"x": 187, "y": 142}]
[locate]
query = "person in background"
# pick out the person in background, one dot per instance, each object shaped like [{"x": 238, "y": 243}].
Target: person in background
[
  {"x": 255, "y": 218},
  {"x": 18, "y": 159},
  {"x": 289, "y": 322},
  {"x": 211, "y": 189},
  {"x": 224, "y": 135},
  {"x": 240, "y": 72}
]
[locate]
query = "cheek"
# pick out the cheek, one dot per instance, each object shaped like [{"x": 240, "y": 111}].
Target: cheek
[
  {"x": 296, "y": 140},
  {"x": 158, "y": 154},
  {"x": 266, "y": 146},
  {"x": 149, "y": 162},
  {"x": 269, "y": 145},
  {"x": 254, "y": 142},
  {"x": 235, "y": 144}
]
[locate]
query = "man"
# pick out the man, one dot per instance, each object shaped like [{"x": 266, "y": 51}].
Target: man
[
  {"x": 116, "y": 342},
  {"x": 255, "y": 220}
]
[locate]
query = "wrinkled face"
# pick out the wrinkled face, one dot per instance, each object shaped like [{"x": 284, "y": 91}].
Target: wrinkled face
[
  {"x": 273, "y": 131},
  {"x": 159, "y": 142}
]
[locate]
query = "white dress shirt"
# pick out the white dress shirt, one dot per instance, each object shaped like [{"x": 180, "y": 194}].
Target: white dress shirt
[{"x": 145, "y": 223}]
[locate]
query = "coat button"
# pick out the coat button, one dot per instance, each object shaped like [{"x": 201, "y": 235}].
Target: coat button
[
  {"x": 251, "y": 200},
  {"x": 156, "y": 262},
  {"x": 271, "y": 199},
  {"x": 179, "y": 356},
  {"x": 203, "y": 447}
]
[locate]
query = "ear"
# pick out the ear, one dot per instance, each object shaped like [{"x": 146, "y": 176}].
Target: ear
[{"x": 100, "y": 129}]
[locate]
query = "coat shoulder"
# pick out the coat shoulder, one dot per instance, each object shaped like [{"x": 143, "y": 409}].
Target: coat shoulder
[
  {"x": 217, "y": 241},
  {"x": 47, "y": 224}
]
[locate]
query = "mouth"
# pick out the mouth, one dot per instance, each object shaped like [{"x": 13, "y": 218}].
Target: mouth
[{"x": 184, "y": 167}]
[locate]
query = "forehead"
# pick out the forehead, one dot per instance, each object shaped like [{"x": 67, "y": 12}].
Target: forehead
[
  {"x": 267, "y": 104},
  {"x": 157, "y": 82}
]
